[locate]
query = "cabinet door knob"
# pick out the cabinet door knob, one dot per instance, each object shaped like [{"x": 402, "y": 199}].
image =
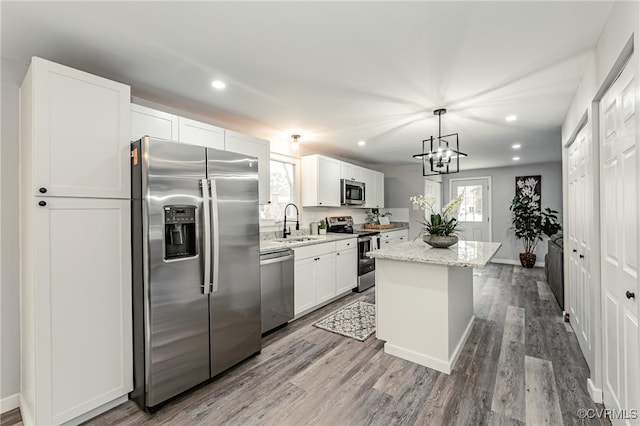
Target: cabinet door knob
[
  {"x": 337, "y": 254},
  {"x": 43, "y": 190},
  {"x": 574, "y": 250},
  {"x": 582, "y": 256},
  {"x": 630, "y": 295},
  {"x": 42, "y": 203}
]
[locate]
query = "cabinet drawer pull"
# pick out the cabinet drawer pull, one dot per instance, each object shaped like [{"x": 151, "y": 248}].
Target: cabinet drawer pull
[
  {"x": 630, "y": 295},
  {"x": 582, "y": 256},
  {"x": 317, "y": 258},
  {"x": 42, "y": 203},
  {"x": 574, "y": 250}
]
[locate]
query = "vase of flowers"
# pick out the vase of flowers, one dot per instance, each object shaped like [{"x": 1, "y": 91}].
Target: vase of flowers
[
  {"x": 529, "y": 222},
  {"x": 441, "y": 228}
]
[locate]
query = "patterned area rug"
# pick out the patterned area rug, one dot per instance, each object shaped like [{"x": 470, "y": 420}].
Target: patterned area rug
[{"x": 357, "y": 320}]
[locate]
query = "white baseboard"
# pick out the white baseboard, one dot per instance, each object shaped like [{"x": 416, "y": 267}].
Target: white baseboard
[
  {"x": 409, "y": 355},
  {"x": 27, "y": 418},
  {"x": 9, "y": 403},
  {"x": 458, "y": 350},
  {"x": 514, "y": 262},
  {"x": 594, "y": 392}
]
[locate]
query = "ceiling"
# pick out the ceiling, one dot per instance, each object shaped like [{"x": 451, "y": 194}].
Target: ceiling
[{"x": 338, "y": 72}]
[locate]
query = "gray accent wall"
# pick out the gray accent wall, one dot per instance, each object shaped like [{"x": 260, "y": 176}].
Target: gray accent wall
[
  {"x": 503, "y": 190},
  {"x": 12, "y": 75},
  {"x": 401, "y": 182}
]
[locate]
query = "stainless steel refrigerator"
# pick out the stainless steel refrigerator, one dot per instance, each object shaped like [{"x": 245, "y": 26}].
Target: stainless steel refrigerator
[{"x": 195, "y": 263}]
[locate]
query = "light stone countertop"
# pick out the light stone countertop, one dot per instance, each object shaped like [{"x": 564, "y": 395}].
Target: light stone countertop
[
  {"x": 473, "y": 254},
  {"x": 268, "y": 245}
]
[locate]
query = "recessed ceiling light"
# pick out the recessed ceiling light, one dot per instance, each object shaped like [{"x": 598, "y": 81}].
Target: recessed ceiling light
[
  {"x": 516, "y": 158},
  {"x": 516, "y": 146},
  {"x": 217, "y": 84},
  {"x": 362, "y": 143},
  {"x": 511, "y": 117}
]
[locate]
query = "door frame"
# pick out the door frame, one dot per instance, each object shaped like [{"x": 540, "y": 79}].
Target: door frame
[{"x": 488, "y": 178}]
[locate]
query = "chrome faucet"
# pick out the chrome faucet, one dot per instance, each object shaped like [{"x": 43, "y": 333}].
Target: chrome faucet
[{"x": 284, "y": 230}]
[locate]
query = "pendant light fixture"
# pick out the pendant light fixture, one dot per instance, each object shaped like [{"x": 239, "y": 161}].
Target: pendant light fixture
[
  {"x": 295, "y": 143},
  {"x": 444, "y": 154}
]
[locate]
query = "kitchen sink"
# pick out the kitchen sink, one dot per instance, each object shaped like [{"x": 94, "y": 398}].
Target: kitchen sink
[{"x": 294, "y": 240}]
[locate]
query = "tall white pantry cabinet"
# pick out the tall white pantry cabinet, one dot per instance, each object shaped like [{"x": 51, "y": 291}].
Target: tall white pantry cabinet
[{"x": 75, "y": 244}]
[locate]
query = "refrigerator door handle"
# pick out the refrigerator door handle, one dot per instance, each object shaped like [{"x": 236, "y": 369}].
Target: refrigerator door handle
[
  {"x": 206, "y": 282},
  {"x": 216, "y": 235}
]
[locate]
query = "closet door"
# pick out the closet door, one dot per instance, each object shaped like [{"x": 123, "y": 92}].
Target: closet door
[
  {"x": 579, "y": 251},
  {"x": 619, "y": 263}
]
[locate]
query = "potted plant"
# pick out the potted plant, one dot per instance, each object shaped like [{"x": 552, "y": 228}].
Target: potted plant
[
  {"x": 322, "y": 227},
  {"x": 529, "y": 222},
  {"x": 441, "y": 228}
]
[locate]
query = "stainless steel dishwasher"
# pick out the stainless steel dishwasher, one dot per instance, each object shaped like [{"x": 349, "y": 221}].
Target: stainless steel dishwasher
[{"x": 276, "y": 281}]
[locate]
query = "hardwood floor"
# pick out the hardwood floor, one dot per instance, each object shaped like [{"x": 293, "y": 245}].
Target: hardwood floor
[{"x": 521, "y": 365}]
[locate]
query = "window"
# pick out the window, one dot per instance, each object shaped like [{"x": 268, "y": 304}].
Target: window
[
  {"x": 282, "y": 190},
  {"x": 471, "y": 204}
]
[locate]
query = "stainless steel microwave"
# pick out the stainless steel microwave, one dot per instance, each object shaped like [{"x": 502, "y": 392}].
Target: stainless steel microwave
[{"x": 352, "y": 192}]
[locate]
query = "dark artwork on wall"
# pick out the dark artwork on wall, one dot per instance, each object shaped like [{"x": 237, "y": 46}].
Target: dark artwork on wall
[{"x": 530, "y": 185}]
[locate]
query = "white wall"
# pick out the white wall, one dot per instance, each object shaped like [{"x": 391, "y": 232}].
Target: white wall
[
  {"x": 12, "y": 75},
  {"x": 620, "y": 35},
  {"x": 502, "y": 191}
]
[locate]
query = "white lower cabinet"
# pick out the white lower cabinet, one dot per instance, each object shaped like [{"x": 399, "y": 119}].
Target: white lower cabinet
[
  {"x": 346, "y": 270},
  {"x": 76, "y": 307},
  {"x": 325, "y": 277},
  {"x": 392, "y": 238},
  {"x": 305, "y": 285},
  {"x": 323, "y": 271}
]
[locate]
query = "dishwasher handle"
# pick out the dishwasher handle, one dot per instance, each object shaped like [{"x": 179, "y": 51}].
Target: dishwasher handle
[{"x": 276, "y": 260}]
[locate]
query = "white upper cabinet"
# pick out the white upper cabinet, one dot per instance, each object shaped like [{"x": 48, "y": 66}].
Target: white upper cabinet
[
  {"x": 320, "y": 181},
  {"x": 150, "y": 122},
  {"x": 198, "y": 133},
  {"x": 350, "y": 171},
  {"x": 378, "y": 190},
  {"x": 368, "y": 177},
  {"x": 78, "y": 131},
  {"x": 247, "y": 145}
]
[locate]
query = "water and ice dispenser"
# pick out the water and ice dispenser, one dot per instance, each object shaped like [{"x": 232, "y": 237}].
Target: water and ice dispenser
[{"x": 179, "y": 232}]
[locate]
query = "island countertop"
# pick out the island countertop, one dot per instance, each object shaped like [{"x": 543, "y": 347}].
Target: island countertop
[{"x": 472, "y": 254}]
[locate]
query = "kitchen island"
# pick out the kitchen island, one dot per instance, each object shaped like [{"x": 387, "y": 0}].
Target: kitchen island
[{"x": 424, "y": 299}]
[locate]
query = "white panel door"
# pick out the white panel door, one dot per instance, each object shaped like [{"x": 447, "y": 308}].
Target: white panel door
[
  {"x": 433, "y": 191},
  {"x": 346, "y": 270},
  {"x": 328, "y": 182},
  {"x": 325, "y": 277},
  {"x": 619, "y": 262},
  {"x": 259, "y": 148},
  {"x": 350, "y": 171},
  {"x": 150, "y": 122},
  {"x": 83, "y": 291},
  {"x": 579, "y": 217},
  {"x": 198, "y": 133},
  {"x": 81, "y": 133},
  {"x": 474, "y": 212}
]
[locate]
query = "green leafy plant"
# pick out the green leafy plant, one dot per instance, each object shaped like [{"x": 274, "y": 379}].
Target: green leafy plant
[
  {"x": 440, "y": 223},
  {"x": 529, "y": 223},
  {"x": 322, "y": 224}
]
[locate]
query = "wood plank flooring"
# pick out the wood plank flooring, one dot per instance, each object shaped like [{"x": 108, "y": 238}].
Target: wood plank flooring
[{"x": 520, "y": 365}]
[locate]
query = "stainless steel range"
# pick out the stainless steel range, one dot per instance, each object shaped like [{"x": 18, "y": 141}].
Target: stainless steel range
[{"x": 367, "y": 241}]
